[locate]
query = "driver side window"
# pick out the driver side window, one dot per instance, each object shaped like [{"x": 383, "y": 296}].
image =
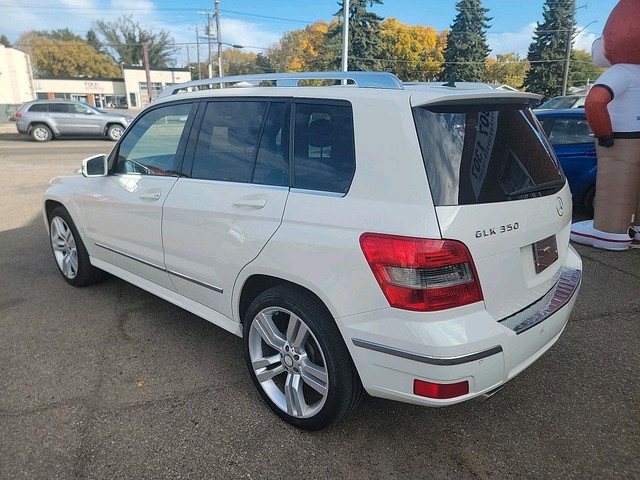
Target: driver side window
[{"x": 150, "y": 147}]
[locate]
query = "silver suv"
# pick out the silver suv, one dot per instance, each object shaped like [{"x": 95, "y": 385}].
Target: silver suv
[{"x": 47, "y": 119}]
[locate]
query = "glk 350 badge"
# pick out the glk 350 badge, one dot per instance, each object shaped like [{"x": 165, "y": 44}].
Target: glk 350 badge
[{"x": 488, "y": 232}]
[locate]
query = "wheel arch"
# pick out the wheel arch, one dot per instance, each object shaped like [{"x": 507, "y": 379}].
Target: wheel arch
[
  {"x": 109, "y": 124},
  {"x": 33, "y": 123},
  {"x": 255, "y": 284}
]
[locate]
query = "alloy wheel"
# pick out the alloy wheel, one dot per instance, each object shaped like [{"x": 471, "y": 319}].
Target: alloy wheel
[
  {"x": 288, "y": 362},
  {"x": 64, "y": 246}
]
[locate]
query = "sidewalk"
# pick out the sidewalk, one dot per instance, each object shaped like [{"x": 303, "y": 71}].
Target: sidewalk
[{"x": 8, "y": 128}]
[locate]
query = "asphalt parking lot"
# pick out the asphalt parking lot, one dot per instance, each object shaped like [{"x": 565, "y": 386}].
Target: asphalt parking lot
[{"x": 112, "y": 382}]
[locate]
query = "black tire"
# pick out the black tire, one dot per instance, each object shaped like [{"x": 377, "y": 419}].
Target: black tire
[
  {"x": 344, "y": 390},
  {"x": 85, "y": 273},
  {"x": 114, "y": 132},
  {"x": 41, "y": 133}
]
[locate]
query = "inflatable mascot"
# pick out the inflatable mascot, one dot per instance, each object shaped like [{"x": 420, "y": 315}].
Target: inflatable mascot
[{"x": 613, "y": 112}]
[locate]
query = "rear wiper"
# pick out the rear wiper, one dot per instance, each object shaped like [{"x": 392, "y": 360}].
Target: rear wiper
[{"x": 536, "y": 188}]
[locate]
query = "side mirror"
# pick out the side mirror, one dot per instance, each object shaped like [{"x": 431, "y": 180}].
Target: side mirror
[{"x": 95, "y": 166}]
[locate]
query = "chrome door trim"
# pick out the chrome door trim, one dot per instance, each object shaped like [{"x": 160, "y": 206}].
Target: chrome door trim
[
  {"x": 422, "y": 358},
  {"x": 131, "y": 257},
  {"x": 162, "y": 269},
  {"x": 197, "y": 282}
]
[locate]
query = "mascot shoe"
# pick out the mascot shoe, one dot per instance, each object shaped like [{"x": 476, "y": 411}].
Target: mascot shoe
[{"x": 584, "y": 233}]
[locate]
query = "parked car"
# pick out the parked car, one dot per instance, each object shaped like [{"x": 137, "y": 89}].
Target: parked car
[
  {"x": 44, "y": 120},
  {"x": 574, "y": 144},
  {"x": 407, "y": 240},
  {"x": 563, "y": 102}
]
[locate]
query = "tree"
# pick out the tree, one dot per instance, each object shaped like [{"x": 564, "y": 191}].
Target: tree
[
  {"x": 506, "y": 69},
  {"x": 125, "y": 38},
  {"x": 582, "y": 70},
  {"x": 5, "y": 41},
  {"x": 365, "y": 37},
  {"x": 412, "y": 52},
  {"x": 93, "y": 40},
  {"x": 302, "y": 49},
  {"x": 548, "y": 49},
  {"x": 66, "y": 58},
  {"x": 467, "y": 47}
]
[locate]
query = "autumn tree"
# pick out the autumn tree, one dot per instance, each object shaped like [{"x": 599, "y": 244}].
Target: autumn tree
[
  {"x": 125, "y": 38},
  {"x": 548, "y": 49},
  {"x": 412, "y": 52},
  {"x": 66, "y": 58},
  {"x": 582, "y": 70},
  {"x": 467, "y": 47},
  {"x": 302, "y": 49},
  {"x": 506, "y": 69}
]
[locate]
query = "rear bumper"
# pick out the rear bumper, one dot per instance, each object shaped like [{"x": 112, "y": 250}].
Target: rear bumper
[{"x": 391, "y": 348}]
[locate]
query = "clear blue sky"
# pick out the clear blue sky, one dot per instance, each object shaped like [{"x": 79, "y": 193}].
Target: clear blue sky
[{"x": 260, "y": 23}]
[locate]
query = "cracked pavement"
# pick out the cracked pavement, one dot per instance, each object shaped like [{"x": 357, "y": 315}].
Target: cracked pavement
[{"x": 112, "y": 382}]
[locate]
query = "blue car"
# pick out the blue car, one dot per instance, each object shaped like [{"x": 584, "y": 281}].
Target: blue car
[{"x": 573, "y": 142}]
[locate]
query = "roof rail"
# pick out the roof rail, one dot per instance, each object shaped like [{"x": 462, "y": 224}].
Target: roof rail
[{"x": 359, "y": 79}]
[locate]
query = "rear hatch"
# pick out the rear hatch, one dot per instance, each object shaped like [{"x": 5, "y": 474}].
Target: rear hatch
[{"x": 499, "y": 189}]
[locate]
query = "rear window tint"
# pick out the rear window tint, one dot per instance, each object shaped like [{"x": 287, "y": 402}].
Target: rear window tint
[
  {"x": 324, "y": 147},
  {"x": 485, "y": 154},
  {"x": 38, "y": 107}
]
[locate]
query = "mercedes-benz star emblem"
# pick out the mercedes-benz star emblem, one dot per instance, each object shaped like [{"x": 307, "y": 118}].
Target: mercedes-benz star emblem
[{"x": 559, "y": 206}]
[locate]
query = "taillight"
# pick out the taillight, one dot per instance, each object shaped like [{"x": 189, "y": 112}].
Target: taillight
[
  {"x": 440, "y": 390},
  {"x": 422, "y": 274},
  {"x": 18, "y": 115}
]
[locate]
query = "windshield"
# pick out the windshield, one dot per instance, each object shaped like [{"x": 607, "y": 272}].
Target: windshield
[
  {"x": 485, "y": 154},
  {"x": 559, "y": 103}
]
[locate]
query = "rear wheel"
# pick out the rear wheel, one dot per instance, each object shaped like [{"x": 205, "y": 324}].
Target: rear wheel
[
  {"x": 69, "y": 252},
  {"x": 114, "y": 132},
  {"x": 298, "y": 360},
  {"x": 41, "y": 133}
]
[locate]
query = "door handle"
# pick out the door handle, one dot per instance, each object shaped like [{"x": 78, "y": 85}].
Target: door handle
[
  {"x": 256, "y": 203},
  {"x": 150, "y": 196}
]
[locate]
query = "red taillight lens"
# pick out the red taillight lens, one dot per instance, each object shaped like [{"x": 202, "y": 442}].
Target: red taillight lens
[
  {"x": 440, "y": 390},
  {"x": 18, "y": 115},
  {"x": 422, "y": 274}
]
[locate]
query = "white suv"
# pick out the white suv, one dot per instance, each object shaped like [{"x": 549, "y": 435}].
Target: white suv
[{"x": 410, "y": 240}]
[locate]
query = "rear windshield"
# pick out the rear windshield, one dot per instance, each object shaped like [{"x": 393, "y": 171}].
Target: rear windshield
[{"x": 485, "y": 154}]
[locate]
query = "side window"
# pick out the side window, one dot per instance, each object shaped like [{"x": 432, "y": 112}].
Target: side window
[
  {"x": 324, "y": 147},
  {"x": 59, "y": 108},
  {"x": 79, "y": 109},
  {"x": 151, "y": 146},
  {"x": 566, "y": 131},
  {"x": 227, "y": 141},
  {"x": 272, "y": 163},
  {"x": 38, "y": 107}
]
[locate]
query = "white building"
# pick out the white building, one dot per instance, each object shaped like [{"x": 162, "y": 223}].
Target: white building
[{"x": 16, "y": 80}]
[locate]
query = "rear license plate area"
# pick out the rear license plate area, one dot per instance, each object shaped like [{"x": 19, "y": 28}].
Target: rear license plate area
[{"x": 545, "y": 252}]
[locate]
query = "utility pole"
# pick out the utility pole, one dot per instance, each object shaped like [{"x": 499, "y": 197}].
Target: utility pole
[
  {"x": 216, "y": 4},
  {"x": 567, "y": 60},
  {"x": 209, "y": 37},
  {"x": 198, "y": 55},
  {"x": 147, "y": 69},
  {"x": 346, "y": 4}
]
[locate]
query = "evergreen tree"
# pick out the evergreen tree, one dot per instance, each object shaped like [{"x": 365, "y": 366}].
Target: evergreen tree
[
  {"x": 365, "y": 37},
  {"x": 4, "y": 41},
  {"x": 93, "y": 40},
  {"x": 548, "y": 49},
  {"x": 467, "y": 47}
]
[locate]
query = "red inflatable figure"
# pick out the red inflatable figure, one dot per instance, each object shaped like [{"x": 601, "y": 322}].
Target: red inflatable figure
[{"x": 613, "y": 112}]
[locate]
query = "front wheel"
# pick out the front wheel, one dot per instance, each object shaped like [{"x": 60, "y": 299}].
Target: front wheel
[
  {"x": 69, "y": 252},
  {"x": 298, "y": 360},
  {"x": 114, "y": 132}
]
